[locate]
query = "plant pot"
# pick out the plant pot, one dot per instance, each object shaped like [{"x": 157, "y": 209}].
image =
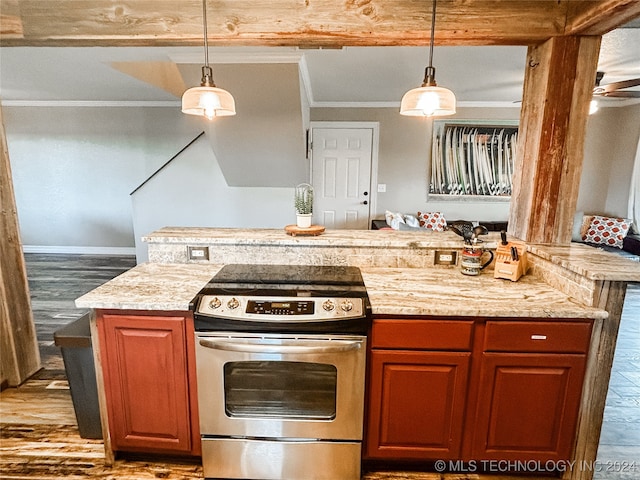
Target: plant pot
[{"x": 303, "y": 220}]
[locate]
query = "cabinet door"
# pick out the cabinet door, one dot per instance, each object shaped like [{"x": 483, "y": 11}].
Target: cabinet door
[
  {"x": 416, "y": 406},
  {"x": 144, "y": 361},
  {"x": 528, "y": 406}
]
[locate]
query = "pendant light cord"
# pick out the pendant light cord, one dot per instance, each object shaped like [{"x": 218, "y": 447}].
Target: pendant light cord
[
  {"x": 206, "y": 38},
  {"x": 433, "y": 29}
]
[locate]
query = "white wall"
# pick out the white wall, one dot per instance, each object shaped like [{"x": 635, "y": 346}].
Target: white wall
[
  {"x": 404, "y": 156},
  {"x": 74, "y": 168},
  {"x": 192, "y": 192},
  {"x": 612, "y": 138}
]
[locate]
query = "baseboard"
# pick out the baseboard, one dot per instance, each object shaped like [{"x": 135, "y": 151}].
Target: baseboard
[{"x": 79, "y": 250}]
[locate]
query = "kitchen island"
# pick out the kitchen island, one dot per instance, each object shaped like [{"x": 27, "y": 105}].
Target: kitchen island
[{"x": 574, "y": 282}]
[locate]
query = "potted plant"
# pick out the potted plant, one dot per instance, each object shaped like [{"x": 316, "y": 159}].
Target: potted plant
[{"x": 303, "y": 202}]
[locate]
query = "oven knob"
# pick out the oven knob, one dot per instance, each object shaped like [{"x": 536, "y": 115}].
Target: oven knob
[
  {"x": 328, "y": 305},
  {"x": 346, "y": 306},
  {"x": 215, "y": 303},
  {"x": 233, "y": 303}
]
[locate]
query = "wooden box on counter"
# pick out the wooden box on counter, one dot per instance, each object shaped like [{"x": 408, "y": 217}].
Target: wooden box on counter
[{"x": 511, "y": 260}]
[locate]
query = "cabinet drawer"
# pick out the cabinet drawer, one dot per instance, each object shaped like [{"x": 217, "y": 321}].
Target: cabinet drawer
[
  {"x": 557, "y": 337},
  {"x": 422, "y": 334}
]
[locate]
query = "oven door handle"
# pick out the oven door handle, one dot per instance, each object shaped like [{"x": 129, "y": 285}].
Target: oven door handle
[{"x": 337, "y": 346}]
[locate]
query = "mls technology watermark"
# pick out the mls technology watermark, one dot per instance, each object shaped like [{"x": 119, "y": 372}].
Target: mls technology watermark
[{"x": 534, "y": 466}]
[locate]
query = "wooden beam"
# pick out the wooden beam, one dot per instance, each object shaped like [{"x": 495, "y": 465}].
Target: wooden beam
[
  {"x": 608, "y": 296},
  {"x": 602, "y": 17},
  {"x": 10, "y": 19},
  {"x": 557, "y": 91},
  {"x": 289, "y": 22},
  {"x": 19, "y": 354}
]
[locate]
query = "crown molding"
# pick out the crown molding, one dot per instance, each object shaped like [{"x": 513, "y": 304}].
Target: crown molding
[
  {"x": 304, "y": 75},
  {"x": 305, "y": 78}
]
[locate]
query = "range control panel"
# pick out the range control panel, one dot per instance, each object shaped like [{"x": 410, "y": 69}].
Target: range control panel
[{"x": 280, "y": 308}]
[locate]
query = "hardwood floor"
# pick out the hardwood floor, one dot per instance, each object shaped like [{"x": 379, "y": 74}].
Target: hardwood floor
[{"x": 39, "y": 437}]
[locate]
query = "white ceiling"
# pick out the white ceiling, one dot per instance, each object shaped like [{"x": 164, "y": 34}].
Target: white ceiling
[{"x": 365, "y": 76}]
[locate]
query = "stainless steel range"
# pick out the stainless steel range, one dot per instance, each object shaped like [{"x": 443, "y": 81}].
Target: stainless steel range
[{"x": 280, "y": 354}]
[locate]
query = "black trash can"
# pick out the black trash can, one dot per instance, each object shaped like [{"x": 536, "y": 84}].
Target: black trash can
[{"x": 74, "y": 341}]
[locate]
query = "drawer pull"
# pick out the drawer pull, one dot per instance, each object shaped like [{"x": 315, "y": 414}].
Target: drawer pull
[{"x": 538, "y": 337}]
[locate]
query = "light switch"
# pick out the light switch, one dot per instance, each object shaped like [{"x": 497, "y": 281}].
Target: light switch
[{"x": 382, "y": 187}]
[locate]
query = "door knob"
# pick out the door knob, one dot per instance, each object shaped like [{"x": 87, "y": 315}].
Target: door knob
[
  {"x": 365, "y": 203},
  {"x": 366, "y": 193}
]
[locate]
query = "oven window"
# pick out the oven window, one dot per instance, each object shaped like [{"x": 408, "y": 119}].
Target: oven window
[{"x": 280, "y": 389}]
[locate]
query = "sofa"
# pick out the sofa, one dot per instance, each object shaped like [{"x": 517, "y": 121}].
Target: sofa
[
  {"x": 623, "y": 241},
  {"x": 491, "y": 226},
  {"x": 608, "y": 233}
]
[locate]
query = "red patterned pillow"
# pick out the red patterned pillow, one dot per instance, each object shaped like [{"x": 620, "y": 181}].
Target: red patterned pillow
[
  {"x": 607, "y": 231},
  {"x": 433, "y": 220}
]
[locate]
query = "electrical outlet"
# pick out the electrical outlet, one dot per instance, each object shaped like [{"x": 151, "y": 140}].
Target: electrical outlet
[
  {"x": 445, "y": 257},
  {"x": 198, "y": 253}
]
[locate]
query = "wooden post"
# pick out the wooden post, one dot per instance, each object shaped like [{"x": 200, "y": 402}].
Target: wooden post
[
  {"x": 559, "y": 80},
  {"x": 19, "y": 354}
]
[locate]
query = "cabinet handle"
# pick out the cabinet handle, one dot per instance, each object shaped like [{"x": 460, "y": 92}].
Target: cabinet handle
[
  {"x": 538, "y": 337},
  {"x": 337, "y": 346}
]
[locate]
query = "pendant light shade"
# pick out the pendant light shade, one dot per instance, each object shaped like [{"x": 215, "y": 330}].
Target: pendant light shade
[
  {"x": 429, "y": 100},
  {"x": 207, "y": 100}
]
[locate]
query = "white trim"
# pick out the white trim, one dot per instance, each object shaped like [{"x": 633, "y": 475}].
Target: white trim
[
  {"x": 306, "y": 80},
  {"x": 373, "y": 187},
  {"x": 474, "y": 104},
  {"x": 91, "y": 103},
  {"x": 356, "y": 105},
  {"x": 79, "y": 250},
  {"x": 397, "y": 104},
  {"x": 304, "y": 74}
]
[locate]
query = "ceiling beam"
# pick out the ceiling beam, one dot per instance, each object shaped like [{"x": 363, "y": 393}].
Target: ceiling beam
[
  {"x": 10, "y": 20},
  {"x": 310, "y": 23},
  {"x": 602, "y": 17}
]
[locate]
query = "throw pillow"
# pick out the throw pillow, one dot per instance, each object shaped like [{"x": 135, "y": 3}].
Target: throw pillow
[
  {"x": 607, "y": 231},
  {"x": 581, "y": 224},
  {"x": 576, "y": 234},
  {"x": 411, "y": 220},
  {"x": 409, "y": 228},
  {"x": 393, "y": 219},
  {"x": 433, "y": 220}
]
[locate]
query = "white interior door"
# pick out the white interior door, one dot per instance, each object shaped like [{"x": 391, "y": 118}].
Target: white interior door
[{"x": 342, "y": 160}]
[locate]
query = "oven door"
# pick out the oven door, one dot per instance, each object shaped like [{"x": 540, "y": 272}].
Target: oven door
[{"x": 281, "y": 386}]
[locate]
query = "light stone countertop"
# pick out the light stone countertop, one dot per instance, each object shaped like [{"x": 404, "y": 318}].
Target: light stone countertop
[
  {"x": 151, "y": 286},
  {"x": 413, "y": 291},
  {"x": 330, "y": 238},
  {"x": 590, "y": 262},
  {"x": 400, "y": 291}
]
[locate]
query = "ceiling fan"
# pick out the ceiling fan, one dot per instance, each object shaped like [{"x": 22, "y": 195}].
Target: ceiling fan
[{"x": 616, "y": 89}]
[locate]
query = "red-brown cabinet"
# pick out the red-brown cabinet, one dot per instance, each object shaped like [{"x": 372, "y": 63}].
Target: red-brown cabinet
[
  {"x": 475, "y": 389},
  {"x": 151, "y": 398},
  {"x": 417, "y": 392},
  {"x": 530, "y": 389}
]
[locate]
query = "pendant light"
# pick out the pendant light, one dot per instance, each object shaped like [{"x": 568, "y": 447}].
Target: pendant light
[
  {"x": 429, "y": 100},
  {"x": 207, "y": 100}
]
